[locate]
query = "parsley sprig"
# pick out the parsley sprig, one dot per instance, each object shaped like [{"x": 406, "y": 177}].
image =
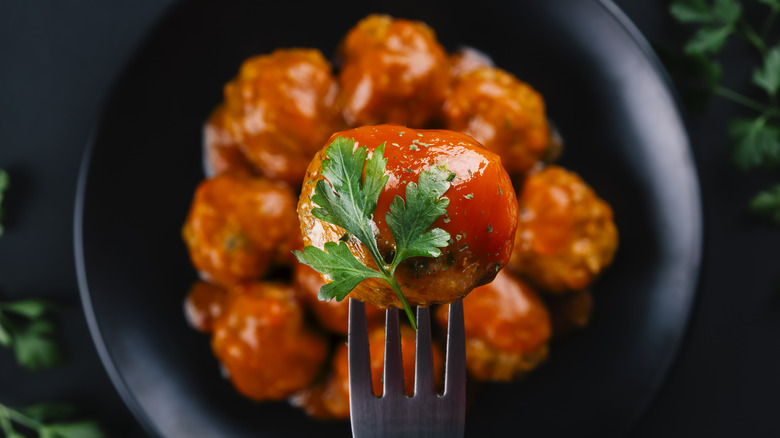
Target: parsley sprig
[
  {"x": 348, "y": 198},
  {"x": 47, "y": 420},
  {"x": 25, "y": 327},
  {"x": 756, "y": 140}
]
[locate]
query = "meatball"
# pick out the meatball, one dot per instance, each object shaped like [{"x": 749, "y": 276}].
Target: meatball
[
  {"x": 238, "y": 226},
  {"x": 333, "y": 315},
  {"x": 263, "y": 344},
  {"x": 503, "y": 113},
  {"x": 394, "y": 71},
  {"x": 507, "y": 329},
  {"x": 481, "y": 217},
  {"x": 222, "y": 153},
  {"x": 466, "y": 60},
  {"x": 566, "y": 235},
  {"x": 204, "y": 303},
  {"x": 280, "y": 108},
  {"x": 331, "y": 399}
]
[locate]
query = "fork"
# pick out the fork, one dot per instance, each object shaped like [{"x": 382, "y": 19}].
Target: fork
[{"x": 394, "y": 415}]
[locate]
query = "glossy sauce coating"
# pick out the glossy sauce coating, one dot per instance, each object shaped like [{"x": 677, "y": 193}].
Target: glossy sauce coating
[
  {"x": 566, "y": 234},
  {"x": 238, "y": 226},
  {"x": 503, "y": 113},
  {"x": 507, "y": 328},
  {"x": 204, "y": 303},
  {"x": 394, "y": 71},
  {"x": 279, "y": 110},
  {"x": 263, "y": 343},
  {"x": 467, "y": 60},
  {"x": 481, "y": 217},
  {"x": 222, "y": 152},
  {"x": 332, "y": 315}
]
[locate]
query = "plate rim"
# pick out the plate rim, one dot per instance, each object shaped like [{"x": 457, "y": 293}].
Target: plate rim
[{"x": 107, "y": 359}]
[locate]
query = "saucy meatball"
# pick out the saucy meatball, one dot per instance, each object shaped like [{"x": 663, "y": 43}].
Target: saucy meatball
[
  {"x": 222, "y": 153},
  {"x": 503, "y": 113},
  {"x": 566, "y": 234},
  {"x": 481, "y": 218},
  {"x": 238, "y": 226},
  {"x": 466, "y": 60},
  {"x": 263, "y": 344},
  {"x": 507, "y": 329},
  {"x": 279, "y": 110},
  {"x": 331, "y": 399},
  {"x": 333, "y": 315},
  {"x": 394, "y": 71},
  {"x": 204, "y": 303}
]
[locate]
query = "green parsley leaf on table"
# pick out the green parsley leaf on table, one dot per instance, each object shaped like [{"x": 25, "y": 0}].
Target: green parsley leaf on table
[
  {"x": 756, "y": 143},
  {"x": 755, "y": 140},
  {"x": 347, "y": 198},
  {"x": 768, "y": 77},
  {"x": 25, "y": 328},
  {"x": 767, "y": 203},
  {"x": 47, "y": 420}
]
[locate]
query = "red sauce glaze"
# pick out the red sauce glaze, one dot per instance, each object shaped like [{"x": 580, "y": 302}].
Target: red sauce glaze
[
  {"x": 503, "y": 113},
  {"x": 263, "y": 343},
  {"x": 507, "y": 328},
  {"x": 395, "y": 71},
  {"x": 238, "y": 226},
  {"x": 481, "y": 217},
  {"x": 566, "y": 235},
  {"x": 279, "y": 110}
]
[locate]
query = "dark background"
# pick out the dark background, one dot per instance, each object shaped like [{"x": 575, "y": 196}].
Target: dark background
[{"x": 57, "y": 63}]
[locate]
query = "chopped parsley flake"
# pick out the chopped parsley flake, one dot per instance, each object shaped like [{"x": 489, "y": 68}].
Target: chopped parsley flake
[{"x": 469, "y": 196}]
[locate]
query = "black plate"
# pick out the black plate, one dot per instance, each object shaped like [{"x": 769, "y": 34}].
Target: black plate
[{"x": 603, "y": 87}]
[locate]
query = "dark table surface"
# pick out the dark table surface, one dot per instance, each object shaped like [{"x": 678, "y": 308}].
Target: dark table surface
[{"x": 57, "y": 63}]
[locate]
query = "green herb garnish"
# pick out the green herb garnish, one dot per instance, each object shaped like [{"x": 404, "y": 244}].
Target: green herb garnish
[
  {"x": 24, "y": 326},
  {"x": 48, "y": 420},
  {"x": 767, "y": 203},
  {"x": 755, "y": 140},
  {"x": 348, "y": 199}
]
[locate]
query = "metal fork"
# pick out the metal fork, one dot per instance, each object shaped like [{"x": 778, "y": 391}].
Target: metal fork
[{"x": 394, "y": 415}]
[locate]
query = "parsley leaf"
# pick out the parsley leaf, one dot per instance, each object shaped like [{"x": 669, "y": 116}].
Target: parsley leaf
[
  {"x": 727, "y": 11},
  {"x": 768, "y": 77},
  {"x": 348, "y": 198},
  {"x": 4, "y": 182},
  {"x": 767, "y": 203},
  {"x": 691, "y": 11},
  {"x": 408, "y": 221},
  {"x": 756, "y": 143},
  {"x": 78, "y": 429},
  {"x": 25, "y": 328},
  {"x": 341, "y": 197},
  {"x": 708, "y": 40},
  {"x": 340, "y": 265},
  {"x": 48, "y": 420}
]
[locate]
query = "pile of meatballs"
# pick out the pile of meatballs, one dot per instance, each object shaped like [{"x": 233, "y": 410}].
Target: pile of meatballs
[{"x": 270, "y": 332}]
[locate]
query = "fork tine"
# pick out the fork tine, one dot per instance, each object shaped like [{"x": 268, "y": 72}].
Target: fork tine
[
  {"x": 455, "y": 373},
  {"x": 424, "y": 385},
  {"x": 394, "y": 368},
  {"x": 358, "y": 353}
]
